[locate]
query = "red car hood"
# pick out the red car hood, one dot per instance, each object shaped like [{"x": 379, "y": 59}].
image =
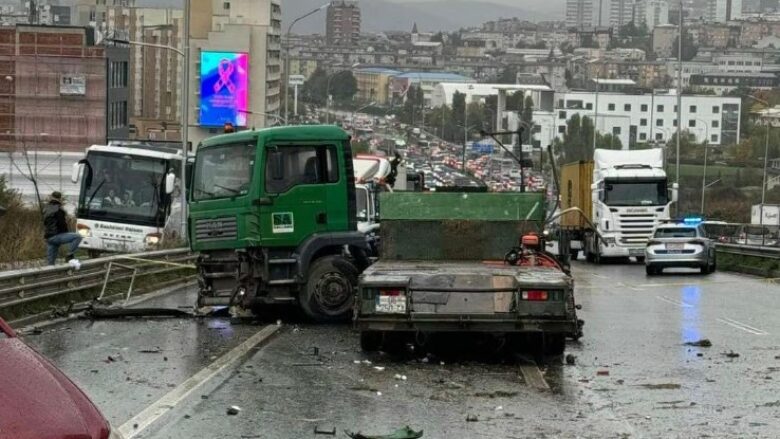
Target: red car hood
[{"x": 38, "y": 402}]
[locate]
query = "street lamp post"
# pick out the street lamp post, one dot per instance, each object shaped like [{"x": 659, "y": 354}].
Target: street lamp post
[
  {"x": 287, "y": 58},
  {"x": 766, "y": 160},
  {"x": 679, "y": 100}
]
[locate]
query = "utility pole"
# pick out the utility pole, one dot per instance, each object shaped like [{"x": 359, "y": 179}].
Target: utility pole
[
  {"x": 185, "y": 117},
  {"x": 679, "y": 104}
]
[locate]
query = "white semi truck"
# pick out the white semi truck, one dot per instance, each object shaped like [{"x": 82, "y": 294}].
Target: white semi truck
[{"x": 621, "y": 196}]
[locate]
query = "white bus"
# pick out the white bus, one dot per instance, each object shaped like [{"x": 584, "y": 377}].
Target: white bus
[{"x": 128, "y": 191}]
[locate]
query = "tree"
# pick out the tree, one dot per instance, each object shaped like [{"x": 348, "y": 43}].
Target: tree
[
  {"x": 576, "y": 142},
  {"x": 569, "y": 78},
  {"x": 689, "y": 50},
  {"x": 458, "y": 107},
  {"x": 567, "y": 47},
  {"x": 343, "y": 85},
  {"x": 508, "y": 75},
  {"x": 314, "y": 88},
  {"x": 527, "y": 115}
]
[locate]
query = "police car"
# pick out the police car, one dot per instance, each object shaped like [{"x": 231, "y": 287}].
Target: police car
[{"x": 680, "y": 244}]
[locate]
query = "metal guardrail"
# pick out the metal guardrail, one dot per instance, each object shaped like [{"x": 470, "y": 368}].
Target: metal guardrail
[
  {"x": 750, "y": 235},
  {"x": 20, "y": 287},
  {"x": 750, "y": 250}
]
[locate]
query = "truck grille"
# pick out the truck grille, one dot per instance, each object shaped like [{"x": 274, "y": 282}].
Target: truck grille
[
  {"x": 216, "y": 229},
  {"x": 636, "y": 228}
]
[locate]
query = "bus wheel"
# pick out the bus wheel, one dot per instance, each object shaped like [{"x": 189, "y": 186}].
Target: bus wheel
[{"x": 330, "y": 290}]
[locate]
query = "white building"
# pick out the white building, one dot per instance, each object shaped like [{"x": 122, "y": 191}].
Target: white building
[
  {"x": 445, "y": 91},
  {"x": 621, "y": 12},
  {"x": 652, "y": 117},
  {"x": 721, "y": 11},
  {"x": 651, "y": 13},
  {"x": 241, "y": 26},
  {"x": 579, "y": 13}
]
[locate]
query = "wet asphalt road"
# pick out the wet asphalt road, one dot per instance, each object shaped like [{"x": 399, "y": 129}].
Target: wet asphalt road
[{"x": 634, "y": 376}]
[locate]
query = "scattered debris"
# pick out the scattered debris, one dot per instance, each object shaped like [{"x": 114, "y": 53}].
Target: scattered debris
[
  {"x": 187, "y": 416},
  {"x": 378, "y": 393},
  {"x": 571, "y": 359},
  {"x": 472, "y": 418},
  {"x": 699, "y": 354},
  {"x": 366, "y": 362},
  {"x": 379, "y": 368},
  {"x": 331, "y": 432},
  {"x": 662, "y": 386},
  {"x": 703, "y": 343},
  {"x": 602, "y": 373},
  {"x": 499, "y": 408},
  {"x": 400, "y": 377},
  {"x": 770, "y": 404},
  {"x": 156, "y": 350},
  {"x": 401, "y": 433},
  {"x": 496, "y": 394},
  {"x": 363, "y": 388},
  {"x": 233, "y": 410},
  {"x": 731, "y": 354},
  {"x": 621, "y": 381}
]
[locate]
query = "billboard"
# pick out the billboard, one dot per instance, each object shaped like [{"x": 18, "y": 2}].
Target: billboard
[{"x": 224, "y": 88}]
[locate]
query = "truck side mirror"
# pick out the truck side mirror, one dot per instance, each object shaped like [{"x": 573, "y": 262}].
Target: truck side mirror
[
  {"x": 594, "y": 186},
  {"x": 170, "y": 182},
  {"x": 675, "y": 192},
  {"x": 76, "y": 172}
]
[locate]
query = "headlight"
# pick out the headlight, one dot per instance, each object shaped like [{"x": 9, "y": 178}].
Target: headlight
[
  {"x": 152, "y": 239},
  {"x": 83, "y": 230}
]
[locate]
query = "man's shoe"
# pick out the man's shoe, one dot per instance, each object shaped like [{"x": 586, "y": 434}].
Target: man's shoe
[{"x": 74, "y": 263}]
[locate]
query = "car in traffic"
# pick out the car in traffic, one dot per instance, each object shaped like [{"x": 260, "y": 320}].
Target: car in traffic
[
  {"x": 680, "y": 244},
  {"x": 38, "y": 401}
]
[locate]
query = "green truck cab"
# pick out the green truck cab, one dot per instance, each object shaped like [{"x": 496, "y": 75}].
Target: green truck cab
[
  {"x": 272, "y": 213},
  {"x": 450, "y": 262}
]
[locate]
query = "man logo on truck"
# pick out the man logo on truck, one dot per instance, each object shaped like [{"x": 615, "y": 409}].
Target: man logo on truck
[{"x": 283, "y": 222}]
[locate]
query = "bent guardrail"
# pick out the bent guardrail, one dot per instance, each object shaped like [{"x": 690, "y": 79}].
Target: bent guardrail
[{"x": 36, "y": 290}]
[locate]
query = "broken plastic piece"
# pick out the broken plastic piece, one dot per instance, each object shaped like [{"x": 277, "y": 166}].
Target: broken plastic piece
[{"x": 401, "y": 433}]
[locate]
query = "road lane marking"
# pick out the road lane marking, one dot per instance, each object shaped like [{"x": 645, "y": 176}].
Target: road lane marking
[
  {"x": 742, "y": 326},
  {"x": 149, "y": 415},
  {"x": 533, "y": 376},
  {"x": 600, "y": 276},
  {"x": 674, "y": 302}
]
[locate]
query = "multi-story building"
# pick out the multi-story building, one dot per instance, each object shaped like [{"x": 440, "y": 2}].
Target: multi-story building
[
  {"x": 663, "y": 40},
  {"x": 579, "y": 13},
  {"x": 342, "y": 24},
  {"x": 304, "y": 66},
  {"x": 399, "y": 84},
  {"x": 155, "y": 78},
  {"x": 651, "y": 13},
  {"x": 722, "y": 11},
  {"x": 719, "y": 35},
  {"x": 249, "y": 33},
  {"x": 60, "y": 91},
  {"x": 621, "y": 12},
  {"x": 652, "y": 117},
  {"x": 373, "y": 84},
  {"x": 722, "y": 82}
]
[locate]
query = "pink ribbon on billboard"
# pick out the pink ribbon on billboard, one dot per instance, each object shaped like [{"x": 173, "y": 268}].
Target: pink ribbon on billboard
[{"x": 225, "y": 69}]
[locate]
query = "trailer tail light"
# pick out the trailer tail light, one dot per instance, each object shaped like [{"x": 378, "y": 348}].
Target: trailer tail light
[
  {"x": 530, "y": 241},
  {"x": 391, "y": 292},
  {"x": 534, "y": 295}
]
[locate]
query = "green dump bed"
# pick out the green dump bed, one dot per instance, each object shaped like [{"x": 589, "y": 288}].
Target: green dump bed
[{"x": 456, "y": 226}]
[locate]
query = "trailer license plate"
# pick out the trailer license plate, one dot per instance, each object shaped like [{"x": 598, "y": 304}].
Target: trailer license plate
[{"x": 391, "y": 304}]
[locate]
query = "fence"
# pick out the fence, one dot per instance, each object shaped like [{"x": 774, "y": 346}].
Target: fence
[{"x": 753, "y": 235}]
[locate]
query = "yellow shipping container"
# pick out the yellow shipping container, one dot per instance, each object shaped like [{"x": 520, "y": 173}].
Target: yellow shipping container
[{"x": 576, "y": 179}]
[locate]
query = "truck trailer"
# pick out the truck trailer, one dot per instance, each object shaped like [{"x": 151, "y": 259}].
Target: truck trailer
[
  {"x": 621, "y": 196},
  {"x": 465, "y": 263}
]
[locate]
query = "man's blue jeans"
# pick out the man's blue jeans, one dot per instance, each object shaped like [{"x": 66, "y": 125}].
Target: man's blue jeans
[{"x": 54, "y": 243}]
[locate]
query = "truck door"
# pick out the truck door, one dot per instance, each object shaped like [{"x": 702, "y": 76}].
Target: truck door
[{"x": 298, "y": 179}]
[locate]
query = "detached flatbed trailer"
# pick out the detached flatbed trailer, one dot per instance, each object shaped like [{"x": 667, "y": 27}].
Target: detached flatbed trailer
[{"x": 452, "y": 262}]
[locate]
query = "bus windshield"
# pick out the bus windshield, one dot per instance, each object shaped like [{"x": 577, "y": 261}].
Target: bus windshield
[{"x": 124, "y": 188}]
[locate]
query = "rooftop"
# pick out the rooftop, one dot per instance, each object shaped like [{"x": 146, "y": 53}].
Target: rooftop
[
  {"x": 377, "y": 70},
  {"x": 435, "y": 76}
]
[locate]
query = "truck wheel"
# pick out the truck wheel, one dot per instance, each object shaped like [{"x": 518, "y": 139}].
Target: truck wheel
[
  {"x": 554, "y": 344},
  {"x": 650, "y": 270},
  {"x": 330, "y": 291},
  {"x": 370, "y": 341},
  {"x": 574, "y": 254}
]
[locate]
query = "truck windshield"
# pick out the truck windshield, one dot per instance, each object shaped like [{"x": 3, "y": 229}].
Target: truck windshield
[
  {"x": 635, "y": 193},
  {"x": 361, "y": 195},
  {"x": 124, "y": 188},
  {"x": 223, "y": 171}
]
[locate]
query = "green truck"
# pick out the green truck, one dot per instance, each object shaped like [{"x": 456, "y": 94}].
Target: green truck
[
  {"x": 272, "y": 214},
  {"x": 455, "y": 262}
]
